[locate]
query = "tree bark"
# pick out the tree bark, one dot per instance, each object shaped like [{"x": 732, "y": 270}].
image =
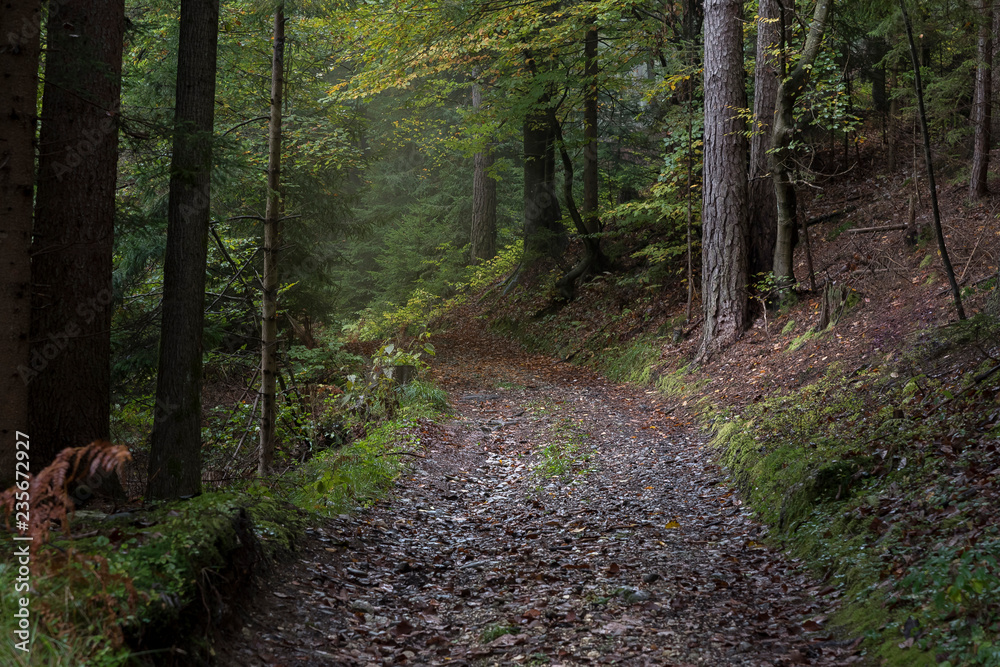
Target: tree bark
[
  {"x": 175, "y": 449},
  {"x": 763, "y": 205},
  {"x": 69, "y": 391},
  {"x": 484, "y": 197},
  {"x": 544, "y": 234},
  {"x": 781, "y": 140},
  {"x": 724, "y": 215},
  {"x": 919, "y": 89},
  {"x": 20, "y": 27},
  {"x": 272, "y": 221},
  {"x": 982, "y": 105}
]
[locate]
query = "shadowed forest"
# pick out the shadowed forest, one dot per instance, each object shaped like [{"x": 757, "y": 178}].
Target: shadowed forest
[{"x": 500, "y": 333}]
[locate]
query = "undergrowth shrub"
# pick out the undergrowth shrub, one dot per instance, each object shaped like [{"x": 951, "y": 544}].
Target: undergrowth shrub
[{"x": 338, "y": 481}]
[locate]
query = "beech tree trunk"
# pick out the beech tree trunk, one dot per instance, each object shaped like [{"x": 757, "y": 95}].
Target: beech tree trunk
[
  {"x": 781, "y": 141},
  {"x": 272, "y": 221},
  {"x": 69, "y": 390},
  {"x": 763, "y": 205},
  {"x": 724, "y": 207},
  {"x": 175, "y": 448},
  {"x": 20, "y": 27},
  {"x": 982, "y": 113},
  {"x": 484, "y": 198}
]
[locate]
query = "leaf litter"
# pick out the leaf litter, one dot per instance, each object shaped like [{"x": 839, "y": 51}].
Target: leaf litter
[{"x": 638, "y": 553}]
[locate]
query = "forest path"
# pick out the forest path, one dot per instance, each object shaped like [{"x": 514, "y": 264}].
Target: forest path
[{"x": 639, "y": 555}]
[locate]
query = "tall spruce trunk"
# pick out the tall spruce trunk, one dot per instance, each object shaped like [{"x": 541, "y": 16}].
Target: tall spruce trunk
[
  {"x": 175, "y": 447},
  {"x": 69, "y": 391},
  {"x": 483, "y": 239},
  {"x": 272, "y": 221},
  {"x": 781, "y": 146},
  {"x": 982, "y": 105},
  {"x": 20, "y": 27},
  {"x": 724, "y": 208},
  {"x": 763, "y": 205}
]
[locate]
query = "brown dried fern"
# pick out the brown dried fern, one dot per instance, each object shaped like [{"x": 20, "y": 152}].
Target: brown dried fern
[
  {"x": 50, "y": 504},
  {"x": 49, "y": 499}
]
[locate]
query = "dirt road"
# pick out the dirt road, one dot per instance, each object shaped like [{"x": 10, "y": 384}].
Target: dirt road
[{"x": 557, "y": 520}]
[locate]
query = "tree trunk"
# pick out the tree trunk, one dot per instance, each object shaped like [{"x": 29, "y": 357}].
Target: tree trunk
[
  {"x": 724, "y": 215},
  {"x": 69, "y": 395},
  {"x": 763, "y": 205},
  {"x": 484, "y": 197},
  {"x": 544, "y": 235},
  {"x": 272, "y": 221},
  {"x": 982, "y": 116},
  {"x": 929, "y": 162},
  {"x": 20, "y": 27},
  {"x": 891, "y": 121},
  {"x": 175, "y": 448},
  {"x": 781, "y": 140},
  {"x": 590, "y": 142}
]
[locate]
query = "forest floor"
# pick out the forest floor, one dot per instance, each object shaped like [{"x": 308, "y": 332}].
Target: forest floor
[{"x": 556, "y": 519}]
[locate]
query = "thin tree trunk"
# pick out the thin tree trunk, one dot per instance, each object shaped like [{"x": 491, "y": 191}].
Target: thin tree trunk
[
  {"x": 69, "y": 395},
  {"x": 763, "y": 206},
  {"x": 982, "y": 105},
  {"x": 175, "y": 447},
  {"x": 590, "y": 142},
  {"x": 484, "y": 197},
  {"x": 781, "y": 141},
  {"x": 587, "y": 224},
  {"x": 724, "y": 215},
  {"x": 918, "y": 85},
  {"x": 891, "y": 121},
  {"x": 690, "y": 196},
  {"x": 20, "y": 24},
  {"x": 272, "y": 220}
]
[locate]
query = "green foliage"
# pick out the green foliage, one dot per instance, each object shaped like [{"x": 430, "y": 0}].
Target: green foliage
[
  {"x": 961, "y": 618},
  {"x": 495, "y": 631},
  {"x": 378, "y": 395},
  {"x": 339, "y": 481},
  {"x": 422, "y": 307},
  {"x": 567, "y": 452}
]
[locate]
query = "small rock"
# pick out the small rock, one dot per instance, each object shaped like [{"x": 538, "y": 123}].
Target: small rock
[
  {"x": 650, "y": 577},
  {"x": 362, "y": 606},
  {"x": 635, "y": 597}
]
